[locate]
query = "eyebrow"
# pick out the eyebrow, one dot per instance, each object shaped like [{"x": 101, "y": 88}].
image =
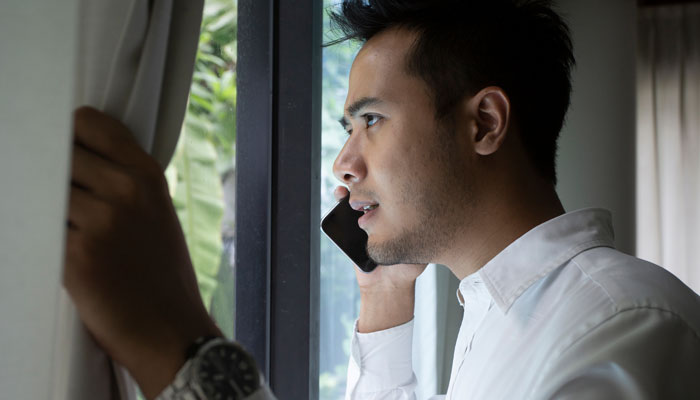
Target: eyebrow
[{"x": 356, "y": 107}]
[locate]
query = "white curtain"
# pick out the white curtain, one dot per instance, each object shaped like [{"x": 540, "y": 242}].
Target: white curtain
[
  {"x": 135, "y": 62},
  {"x": 37, "y": 43},
  {"x": 668, "y": 140}
]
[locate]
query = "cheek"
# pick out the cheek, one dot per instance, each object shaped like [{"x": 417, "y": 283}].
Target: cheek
[
  {"x": 402, "y": 176},
  {"x": 392, "y": 163}
]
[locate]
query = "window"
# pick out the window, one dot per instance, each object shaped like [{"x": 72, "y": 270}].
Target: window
[
  {"x": 278, "y": 153},
  {"x": 339, "y": 294},
  {"x": 201, "y": 175}
]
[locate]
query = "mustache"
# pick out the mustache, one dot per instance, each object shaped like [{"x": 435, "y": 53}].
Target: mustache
[{"x": 364, "y": 194}]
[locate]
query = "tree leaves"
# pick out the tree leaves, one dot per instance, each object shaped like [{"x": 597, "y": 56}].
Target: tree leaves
[
  {"x": 197, "y": 196},
  {"x": 206, "y": 148}
]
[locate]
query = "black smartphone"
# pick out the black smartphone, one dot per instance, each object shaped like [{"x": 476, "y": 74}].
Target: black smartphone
[{"x": 340, "y": 225}]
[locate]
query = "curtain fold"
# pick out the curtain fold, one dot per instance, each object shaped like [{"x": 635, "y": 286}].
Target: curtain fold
[
  {"x": 135, "y": 62},
  {"x": 668, "y": 139}
]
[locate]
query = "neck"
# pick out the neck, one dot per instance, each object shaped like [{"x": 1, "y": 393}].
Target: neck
[{"x": 501, "y": 217}]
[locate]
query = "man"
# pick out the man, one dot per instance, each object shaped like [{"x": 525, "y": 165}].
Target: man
[{"x": 453, "y": 112}]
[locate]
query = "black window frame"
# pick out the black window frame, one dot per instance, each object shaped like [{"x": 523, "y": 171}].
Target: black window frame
[{"x": 278, "y": 162}]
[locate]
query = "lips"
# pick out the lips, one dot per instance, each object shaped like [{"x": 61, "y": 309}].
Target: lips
[
  {"x": 369, "y": 214},
  {"x": 364, "y": 206}
]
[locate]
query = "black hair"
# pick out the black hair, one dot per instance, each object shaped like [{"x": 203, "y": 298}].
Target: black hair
[{"x": 463, "y": 46}]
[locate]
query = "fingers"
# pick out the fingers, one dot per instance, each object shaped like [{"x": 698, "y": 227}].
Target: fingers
[
  {"x": 99, "y": 176},
  {"x": 83, "y": 209},
  {"x": 340, "y": 192},
  {"x": 106, "y": 137},
  {"x": 72, "y": 259},
  {"x": 108, "y": 161}
]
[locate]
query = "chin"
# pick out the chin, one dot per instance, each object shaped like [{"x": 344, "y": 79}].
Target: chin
[
  {"x": 408, "y": 248},
  {"x": 388, "y": 253}
]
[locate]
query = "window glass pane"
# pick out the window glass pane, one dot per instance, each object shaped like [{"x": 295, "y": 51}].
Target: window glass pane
[
  {"x": 339, "y": 295},
  {"x": 202, "y": 171}
]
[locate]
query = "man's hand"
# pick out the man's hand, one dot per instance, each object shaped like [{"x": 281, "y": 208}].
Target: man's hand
[
  {"x": 387, "y": 293},
  {"x": 127, "y": 267}
]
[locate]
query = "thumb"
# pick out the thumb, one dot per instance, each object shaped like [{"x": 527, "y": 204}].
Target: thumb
[{"x": 340, "y": 192}]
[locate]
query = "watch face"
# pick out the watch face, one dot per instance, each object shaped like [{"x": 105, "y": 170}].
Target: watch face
[{"x": 226, "y": 371}]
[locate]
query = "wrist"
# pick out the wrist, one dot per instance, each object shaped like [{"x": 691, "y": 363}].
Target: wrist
[
  {"x": 219, "y": 368},
  {"x": 384, "y": 288},
  {"x": 382, "y": 309},
  {"x": 157, "y": 367}
]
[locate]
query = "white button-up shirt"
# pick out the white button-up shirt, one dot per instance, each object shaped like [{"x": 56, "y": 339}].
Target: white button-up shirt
[{"x": 558, "y": 314}]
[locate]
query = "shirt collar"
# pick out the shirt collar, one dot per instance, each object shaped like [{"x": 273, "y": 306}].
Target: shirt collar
[
  {"x": 539, "y": 251},
  {"x": 472, "y": 290}
]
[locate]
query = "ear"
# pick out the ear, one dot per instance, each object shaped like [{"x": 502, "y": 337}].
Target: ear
[{"x": 489, "y": 111}]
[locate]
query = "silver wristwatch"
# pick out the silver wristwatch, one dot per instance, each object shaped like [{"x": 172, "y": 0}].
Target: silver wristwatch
[{"x": 216, "y": 369}]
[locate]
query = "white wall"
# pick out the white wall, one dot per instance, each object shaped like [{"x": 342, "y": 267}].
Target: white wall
[
  {"x": 596, "y": 162},
  {"x": 37, "y": 41}
]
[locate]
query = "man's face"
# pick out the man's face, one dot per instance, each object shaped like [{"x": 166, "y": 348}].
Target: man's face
[{"x": 400, "y": 159}]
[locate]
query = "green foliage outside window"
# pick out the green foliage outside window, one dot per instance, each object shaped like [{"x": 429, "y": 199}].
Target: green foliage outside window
[{"x": 204, "y": 157}]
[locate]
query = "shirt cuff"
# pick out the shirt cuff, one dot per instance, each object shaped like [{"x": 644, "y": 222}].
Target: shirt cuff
[{"x": 380, "y": 360}]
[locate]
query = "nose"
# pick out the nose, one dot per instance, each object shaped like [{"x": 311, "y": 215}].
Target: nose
[{"x": 349, "y": 167}]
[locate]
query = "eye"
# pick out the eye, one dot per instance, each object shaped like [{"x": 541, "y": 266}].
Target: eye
[{"x": 371, "y": 119}]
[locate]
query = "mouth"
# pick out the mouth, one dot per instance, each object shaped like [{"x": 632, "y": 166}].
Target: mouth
[
  {"x": 363, "y": 205},
  {"x": 369, "y": 207},
  {"x": 370, "y": 211}
]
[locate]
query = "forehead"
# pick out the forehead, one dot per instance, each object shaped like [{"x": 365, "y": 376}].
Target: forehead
[{"x": 379, "y": 70}]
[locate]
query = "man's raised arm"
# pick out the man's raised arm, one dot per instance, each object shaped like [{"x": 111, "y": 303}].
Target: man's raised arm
[{"x": 381, "y": 360}]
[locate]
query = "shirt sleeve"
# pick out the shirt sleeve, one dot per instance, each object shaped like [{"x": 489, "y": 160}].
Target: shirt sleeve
[
  {"x": 637, "y": 354},
  {"x": 380, "y": 366}
]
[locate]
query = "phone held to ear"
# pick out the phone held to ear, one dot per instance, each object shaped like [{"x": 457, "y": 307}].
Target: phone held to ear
[{"x": 340, "y": 225}]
